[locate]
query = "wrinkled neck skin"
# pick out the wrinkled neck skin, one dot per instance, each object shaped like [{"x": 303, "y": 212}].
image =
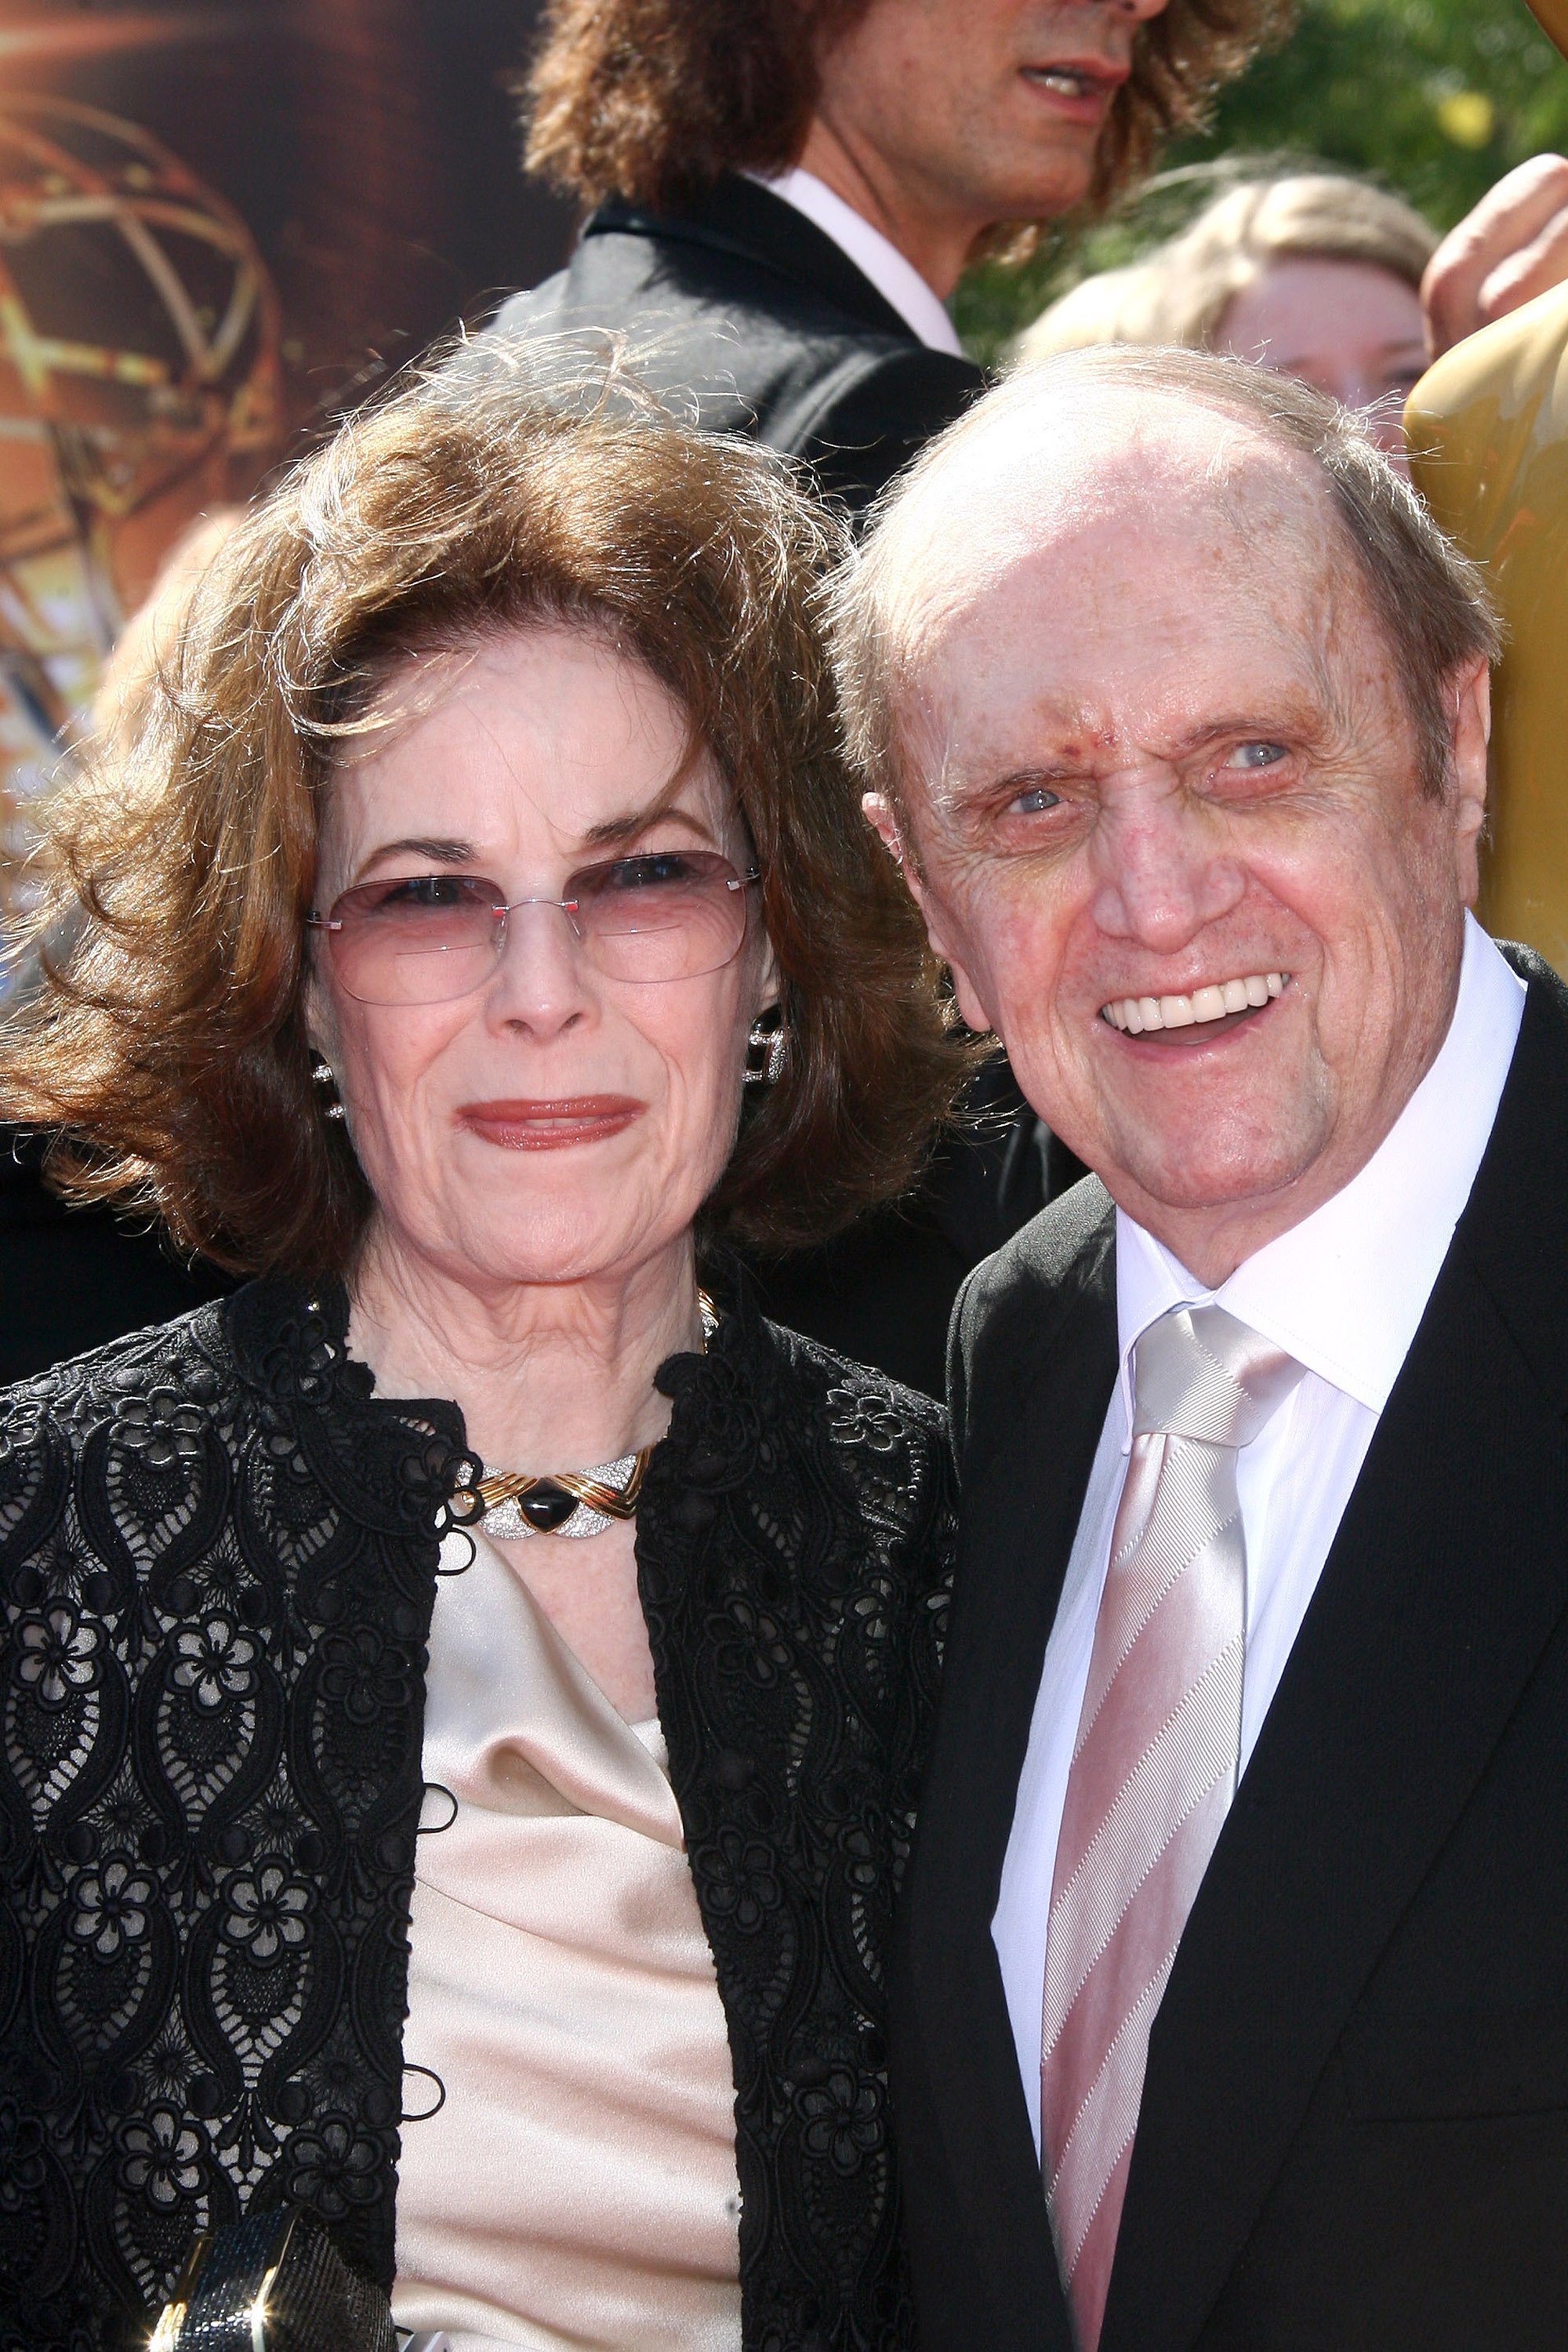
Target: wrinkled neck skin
[{"x": 548, "y": 1376}]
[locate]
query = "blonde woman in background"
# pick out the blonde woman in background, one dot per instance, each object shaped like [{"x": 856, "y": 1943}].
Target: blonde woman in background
[{"x": 1314, "y": 274}]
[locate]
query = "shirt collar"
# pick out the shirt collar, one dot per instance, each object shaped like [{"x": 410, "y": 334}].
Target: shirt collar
[
  {"x": 897, "y": 281},
  {"x": 1344, "y": 1290}
]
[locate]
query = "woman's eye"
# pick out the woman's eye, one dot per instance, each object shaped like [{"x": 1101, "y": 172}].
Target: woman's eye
[
  {"x": 1252, "y": 756},
  {"x": 649, "y": 871},
  {"x": 424, "y": 891},
  {"x": 1035, "y": 801}
]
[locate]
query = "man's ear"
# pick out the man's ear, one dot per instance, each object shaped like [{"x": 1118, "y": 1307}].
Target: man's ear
[
  {"x": 1470, "y": 733},
  {"x": 879, "y": 813},
  {"x": 965, "y": 995}
]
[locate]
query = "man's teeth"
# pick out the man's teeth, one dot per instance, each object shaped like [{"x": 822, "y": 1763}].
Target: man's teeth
[
  {"x": 1063, "y": 79},
  {"x": 1136, "y": 1014}
]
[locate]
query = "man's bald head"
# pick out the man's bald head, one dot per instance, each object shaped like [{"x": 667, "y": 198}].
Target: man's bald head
[
  {"x": 1173, "y": 702},
  {"x": 1189, "y": 442}
]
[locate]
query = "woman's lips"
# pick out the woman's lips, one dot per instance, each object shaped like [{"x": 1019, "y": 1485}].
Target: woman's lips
[{"x": 528, "y": 1125}]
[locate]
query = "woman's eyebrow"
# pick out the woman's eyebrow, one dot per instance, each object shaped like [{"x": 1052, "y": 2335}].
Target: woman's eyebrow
[
  {"x": 439, "y": 853},
  {"x": 626, "y": 828}
]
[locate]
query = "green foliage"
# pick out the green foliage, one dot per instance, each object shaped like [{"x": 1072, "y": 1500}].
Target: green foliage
[{"x": 1438, "y": 98}]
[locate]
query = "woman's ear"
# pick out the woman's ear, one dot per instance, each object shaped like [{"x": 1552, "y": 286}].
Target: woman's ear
[
  {"x": 320, "y": 1029},
  {"x": 770, "y": 980}
]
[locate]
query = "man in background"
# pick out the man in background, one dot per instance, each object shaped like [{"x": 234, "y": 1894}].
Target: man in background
[{"x": 782, "y": 198}]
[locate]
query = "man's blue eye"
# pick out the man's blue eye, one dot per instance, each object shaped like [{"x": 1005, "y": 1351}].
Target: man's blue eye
[
  {"x": 1035, "y": 801},
  {"x": 1256, "y": 755}
]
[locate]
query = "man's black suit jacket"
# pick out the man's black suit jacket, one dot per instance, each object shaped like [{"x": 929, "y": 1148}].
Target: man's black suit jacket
[
  {"x": 745, "y": 307},
  {"x": 743, "y": 312},
  {"x": 1354, "y": 2129}
]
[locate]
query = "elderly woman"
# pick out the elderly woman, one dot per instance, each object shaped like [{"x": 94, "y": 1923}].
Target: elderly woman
[{"x": 481, "y": 841}]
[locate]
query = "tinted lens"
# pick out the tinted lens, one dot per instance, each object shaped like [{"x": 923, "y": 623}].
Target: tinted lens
[
  {"x": 416, "y": 939},
  {"x": 665, "y": 914}
]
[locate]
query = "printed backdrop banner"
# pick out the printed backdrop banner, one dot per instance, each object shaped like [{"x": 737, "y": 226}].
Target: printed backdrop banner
[{"x": 218, "y": 223}]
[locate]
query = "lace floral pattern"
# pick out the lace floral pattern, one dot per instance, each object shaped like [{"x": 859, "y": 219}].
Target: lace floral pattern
[
  {"x": 794, "y": 1541},
  {"x": 217, "y": 1560}
]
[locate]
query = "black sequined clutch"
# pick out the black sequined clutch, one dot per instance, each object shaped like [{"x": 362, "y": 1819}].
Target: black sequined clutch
[{"x": 273, "y": 2282}]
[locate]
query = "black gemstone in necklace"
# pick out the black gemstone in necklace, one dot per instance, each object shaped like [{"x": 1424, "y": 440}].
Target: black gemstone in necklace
[{"x": 547, "y": 1506}]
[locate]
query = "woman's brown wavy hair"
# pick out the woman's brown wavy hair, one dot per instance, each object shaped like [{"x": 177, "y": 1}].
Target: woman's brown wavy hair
[
  {"x": 654, "y": 98},
  {"x": 167, "y": 1041}
]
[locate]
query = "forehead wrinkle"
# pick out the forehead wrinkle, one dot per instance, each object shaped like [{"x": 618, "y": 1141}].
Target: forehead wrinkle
[
  {"x": 1260, "y": 499},
  {"x": 1007, "y": 484}
]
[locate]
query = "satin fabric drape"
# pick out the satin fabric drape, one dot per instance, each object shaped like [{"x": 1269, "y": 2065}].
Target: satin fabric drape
[{"x": 577, "y": 2187}]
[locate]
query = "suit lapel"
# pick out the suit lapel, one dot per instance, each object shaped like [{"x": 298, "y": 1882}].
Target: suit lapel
[
  {"x": 1036, "y": 1413},
  {"x": 750, "y": 224},
  {"x": 1447, "y": 1579}
]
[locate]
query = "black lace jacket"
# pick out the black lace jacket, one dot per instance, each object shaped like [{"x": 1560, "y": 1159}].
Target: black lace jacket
[{"x": 217, "y": 1558}]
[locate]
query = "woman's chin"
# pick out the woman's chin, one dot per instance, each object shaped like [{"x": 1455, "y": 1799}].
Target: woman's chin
[{"x": 547, "y": 1251}]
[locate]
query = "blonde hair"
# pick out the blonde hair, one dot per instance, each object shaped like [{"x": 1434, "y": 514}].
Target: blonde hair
[{"x": 1179, "y": 293}]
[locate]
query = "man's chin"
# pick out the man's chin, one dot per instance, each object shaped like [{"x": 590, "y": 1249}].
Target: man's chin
[{"x": 1202, "y": 1179}]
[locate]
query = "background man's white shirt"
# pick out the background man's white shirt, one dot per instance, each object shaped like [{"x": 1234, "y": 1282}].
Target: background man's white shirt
[
  {"x": 1344, "y": 1291},
  {"x": 897, "y": 281}
]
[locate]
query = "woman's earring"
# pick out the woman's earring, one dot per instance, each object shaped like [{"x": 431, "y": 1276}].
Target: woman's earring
[
  {"x": 325, "y": 1076},
  {"x": 767, "y": 1049}
]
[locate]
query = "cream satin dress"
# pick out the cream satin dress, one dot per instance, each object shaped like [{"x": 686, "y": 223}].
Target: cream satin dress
[{"x": 577, "y": 2186}]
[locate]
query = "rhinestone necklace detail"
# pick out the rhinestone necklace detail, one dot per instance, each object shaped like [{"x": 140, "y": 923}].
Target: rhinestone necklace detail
[{"x": 575, "y": 1502}]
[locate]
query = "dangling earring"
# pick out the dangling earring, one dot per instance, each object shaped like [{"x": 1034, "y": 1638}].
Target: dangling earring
[
  {"x": 325, "y": 1076},
  {"x": 767, "y": 1049}
]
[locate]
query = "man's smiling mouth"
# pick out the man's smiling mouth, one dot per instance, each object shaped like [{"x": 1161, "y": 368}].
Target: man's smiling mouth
[
  {"x": 1218, "y": 1000},
  {"x": 1099, "y": 81}
]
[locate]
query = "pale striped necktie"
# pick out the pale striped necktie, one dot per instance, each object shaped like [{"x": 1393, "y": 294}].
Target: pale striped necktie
[{"x": 1155, "y": 1767}]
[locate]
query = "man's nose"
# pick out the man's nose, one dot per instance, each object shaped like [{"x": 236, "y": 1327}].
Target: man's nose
[
  {"x": 1162, "y": 875},
  {"x": 541, "y": 981}
]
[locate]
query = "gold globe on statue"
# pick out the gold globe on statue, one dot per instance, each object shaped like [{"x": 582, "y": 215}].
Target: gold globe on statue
[
  {"x": 1488, "y": 426},
  {"x": 139, "y": 386}
]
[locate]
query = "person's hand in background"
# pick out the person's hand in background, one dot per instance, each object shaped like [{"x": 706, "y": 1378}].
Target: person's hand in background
[{"x": 1510, "y": 248}]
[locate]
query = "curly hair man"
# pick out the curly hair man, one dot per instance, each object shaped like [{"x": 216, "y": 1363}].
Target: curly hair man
[{"x": 782, "y": 194}]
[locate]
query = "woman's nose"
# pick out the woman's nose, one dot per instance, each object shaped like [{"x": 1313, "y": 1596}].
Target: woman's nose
[{"x": 541, "y": 981}]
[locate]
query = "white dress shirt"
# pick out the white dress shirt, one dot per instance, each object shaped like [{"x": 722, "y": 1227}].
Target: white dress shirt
[
  {"x": 897, "y": 281},
  {"x": 1344, "y": 1291}
]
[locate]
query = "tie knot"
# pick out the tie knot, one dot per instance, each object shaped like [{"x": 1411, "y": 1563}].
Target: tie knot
[{"x": 1198, "y": 1372}]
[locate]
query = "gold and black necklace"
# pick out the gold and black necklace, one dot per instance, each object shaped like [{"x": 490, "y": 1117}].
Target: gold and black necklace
[{"x": 575, "y": 1502}]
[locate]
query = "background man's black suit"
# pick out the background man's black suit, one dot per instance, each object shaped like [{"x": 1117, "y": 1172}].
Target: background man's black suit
[
  {"x": 745, "y": 307},
  {"x": 1354, "y": 2129},
  {"x": 741, "y": 302}
]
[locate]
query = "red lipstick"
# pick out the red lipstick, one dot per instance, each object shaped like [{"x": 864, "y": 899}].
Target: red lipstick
[{"x": 527, "y": 1124}]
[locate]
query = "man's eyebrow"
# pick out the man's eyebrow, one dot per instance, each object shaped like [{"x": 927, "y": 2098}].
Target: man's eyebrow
[
  {"x": 955, "y": 785},
  {"x": 958, "y": 786},
  {"x": 1243, "y": 727}
]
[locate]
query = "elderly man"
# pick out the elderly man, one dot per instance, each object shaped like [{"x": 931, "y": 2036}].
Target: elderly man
[{"x": 1232, "y": 2010}]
